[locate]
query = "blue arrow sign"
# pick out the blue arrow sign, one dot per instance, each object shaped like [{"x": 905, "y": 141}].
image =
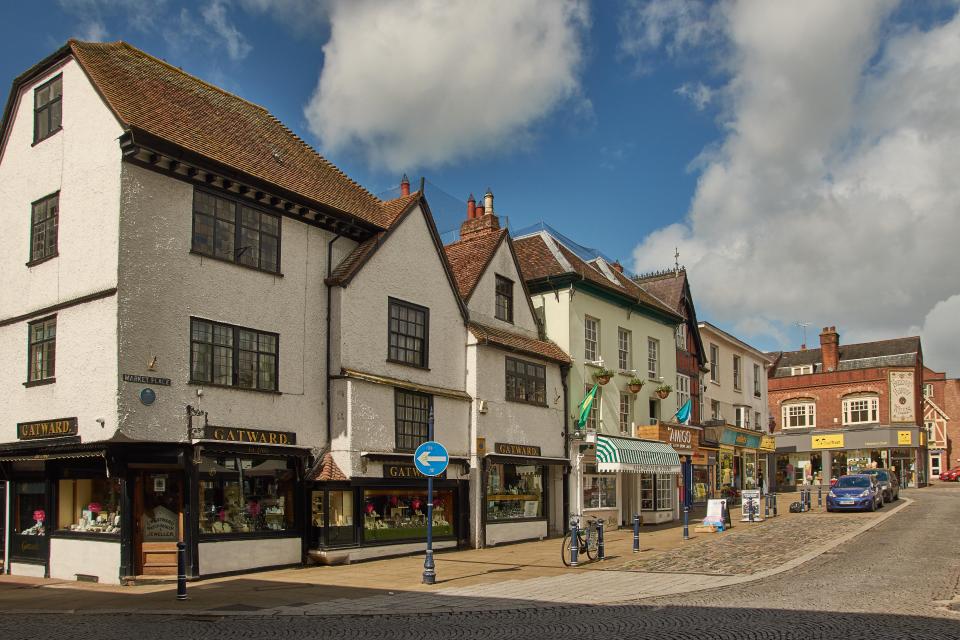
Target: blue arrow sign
[{"x": 431, "y": 458}]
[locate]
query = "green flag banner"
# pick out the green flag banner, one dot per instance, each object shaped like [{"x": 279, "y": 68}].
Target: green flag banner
[{"x": 585, "y": 406}]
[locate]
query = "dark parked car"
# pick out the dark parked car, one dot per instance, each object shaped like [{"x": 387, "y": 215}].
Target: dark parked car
[
  {"x": 889, "y": 484},
  {"x": 857, "y": 492}
]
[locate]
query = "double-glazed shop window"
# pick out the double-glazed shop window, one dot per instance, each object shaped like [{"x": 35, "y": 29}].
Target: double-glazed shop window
[
  {"x": 44, "y": 221},
  {"x": 409, "y": 329},
  {"x": 246, "y": 495},
  {"x": 47, "y": 109},
  {"x": 504, "y": 309},
  {"x": 234, "y": 231},
  {"x": 42, "y": 349},
  {"x": 232, "y": 356},
  {"x": 412, "y": 412},
  {"x": 526, "y": 382}
]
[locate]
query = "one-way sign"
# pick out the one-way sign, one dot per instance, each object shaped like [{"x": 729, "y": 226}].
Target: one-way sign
[{"x": 431, "y": 458}]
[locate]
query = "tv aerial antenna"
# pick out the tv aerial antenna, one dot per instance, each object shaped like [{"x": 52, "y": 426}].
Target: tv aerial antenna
[{"x": 803, "y": 326}]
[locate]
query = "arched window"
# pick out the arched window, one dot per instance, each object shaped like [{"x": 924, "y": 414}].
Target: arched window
[
  {"x": 861, "y": 409},
  {"x": 799, "y": 413}
]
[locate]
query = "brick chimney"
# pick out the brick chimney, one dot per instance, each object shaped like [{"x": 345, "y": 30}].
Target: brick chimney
[
  {"x": 480, "y": 219},
  {"x": 617, "y": 266},
  {"x": 830, "y": 348},
  {"x": 405, "y": 186}
]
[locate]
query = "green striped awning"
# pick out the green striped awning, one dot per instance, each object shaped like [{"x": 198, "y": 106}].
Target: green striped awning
[{"x": 635, "y": 456}]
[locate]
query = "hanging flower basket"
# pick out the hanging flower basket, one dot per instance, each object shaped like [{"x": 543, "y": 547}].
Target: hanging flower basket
[
  {"x": 603, "y": 376},
  {"x": 663, "y": 391},
  {"x": 635, "y": 385}
]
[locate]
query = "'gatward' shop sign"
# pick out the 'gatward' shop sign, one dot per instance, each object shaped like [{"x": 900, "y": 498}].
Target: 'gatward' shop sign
[{"x": 58, "y": 428}]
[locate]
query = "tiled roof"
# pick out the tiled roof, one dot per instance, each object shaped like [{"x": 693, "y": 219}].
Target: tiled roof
[
  {"x": 469, "y": 259},
  {"x": 542, "y": 256},
  {"x": 150, "y": 95},
  {"x": 667, "y": 286},
  {"x": 864, "y": 355},
  {"x": 326, "y": 470},
  {"x": 517, "y": 342}
]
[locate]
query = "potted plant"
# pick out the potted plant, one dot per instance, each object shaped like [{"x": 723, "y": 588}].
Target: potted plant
[
  {"x": 603, "y": 375},
  {"x": 663, "y": 391},
  {"x": 635, "y": 385}
]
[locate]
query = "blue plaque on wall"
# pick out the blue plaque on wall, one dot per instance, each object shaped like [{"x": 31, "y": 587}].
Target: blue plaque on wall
[{"x": 147, "y": 396}]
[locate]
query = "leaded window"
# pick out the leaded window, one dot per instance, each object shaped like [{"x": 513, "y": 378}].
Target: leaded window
[
  {"x": 409, "y": 332},
  {"x": 232, "y": 356},
  {"x": 412, "y": 414},
  {"x": 230, "y": 230},
  {"x": 44, "y": 221},
  {"x": 504, "y": 302},
  {"x": 42, "y": 349},
  {"x": 526, "y": 382},
  {"x": 47, "y": 109}
]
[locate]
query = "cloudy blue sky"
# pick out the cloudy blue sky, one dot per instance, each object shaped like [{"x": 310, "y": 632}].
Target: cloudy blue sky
[{"x": 800, "y": 155}]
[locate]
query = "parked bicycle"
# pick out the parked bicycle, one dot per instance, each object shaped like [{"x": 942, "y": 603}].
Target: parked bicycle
[{"x": 587, "y": 542}]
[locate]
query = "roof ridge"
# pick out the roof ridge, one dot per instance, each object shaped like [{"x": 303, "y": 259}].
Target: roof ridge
[
  {"x": 857, "y": 344},
  {"x": 476, "y": 237}
]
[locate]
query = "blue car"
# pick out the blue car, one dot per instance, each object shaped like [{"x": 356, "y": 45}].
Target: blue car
[{"x": 855, "y": 493}]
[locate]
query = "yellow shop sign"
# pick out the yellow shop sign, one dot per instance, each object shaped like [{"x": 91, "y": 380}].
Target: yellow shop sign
[
  {"x": 904, "y": 437},
  {"x": 830, "y": 441}
]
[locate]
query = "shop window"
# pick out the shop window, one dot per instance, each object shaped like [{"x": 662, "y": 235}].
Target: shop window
[
  {"x": 526, "y": 382},
  {"x": 799, "y": 415},
  {"x": 89, "y": 505},
  {"x": 246, "y": 495},
  {"x": 599, "y": 491},
  {"x": 647, "y": 493},
  {"x": 390, "y": 515},
  {"x": 336, "y": 521},
  {"x": 28, "y": 540},
  {"x": 665, "y": 492},
  {"x": 701, "y": 484},
  {"x": 515, "y": 492},
  {"x": 861, "y": 410}
]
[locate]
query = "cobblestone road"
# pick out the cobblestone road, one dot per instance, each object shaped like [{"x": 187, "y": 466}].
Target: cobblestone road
[{"x": 890, "y": 582}]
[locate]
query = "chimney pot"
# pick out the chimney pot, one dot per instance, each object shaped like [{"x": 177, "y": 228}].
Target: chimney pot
[
  {"x": 405, "y": 185},
  {"x": 471, "y": 207},
  {"x": 479, "y": 211},
  {"x": 488, "y": 201},
  {"x": 617, "y": 266}
]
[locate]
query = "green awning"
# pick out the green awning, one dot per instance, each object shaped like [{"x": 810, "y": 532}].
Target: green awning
[{"x": 635, "y": 456}]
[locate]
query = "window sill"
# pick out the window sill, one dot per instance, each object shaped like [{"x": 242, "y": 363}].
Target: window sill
[
  {"x": 86, "y": 535},
  {"x": 207, "y": 256},
  {"x": 235, "y": 388},
  {"x": 512, "y": 520},
  {"x": 33, "y": 263},
  {"x": 48, "y": 136},
  {"x": 407, "y": 364},
  {"x": 39, "y": 383},
  {"x": 528, "y": 403},
  {"x": 716, "y": 382}
]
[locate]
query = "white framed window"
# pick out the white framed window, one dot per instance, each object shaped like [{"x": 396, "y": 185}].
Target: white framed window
[
  {"x": 802, "y": 370},
  {"x": 664, "y": 492},
  {"x": 799, "y": 415},
  {"x": 927, "y": 390},
  {"x": 742, "y": 417},
  {"x": 935, "y": 467},
  {"x": 737, "y": 372},
  {"x": 591, "y": 339},
  {"x": 626, "y": 412},
  {"x": 715, "y": 410},
  {"x": 656, "y": 492},
  {"x": 756, "y": 421},
  {"x": 714, "y": 363},
  {"x": 756, "y": 380},
  {"x": 682, "y": 337},
  {"x": 861, "y": 410},
  {"x": 599, "y": 491},
  {"x": 593, "y": 419},
  {"x": 653, "y": 358},
  {"x": 624, "y": 349},
  {"x": 683, "y": 390}
]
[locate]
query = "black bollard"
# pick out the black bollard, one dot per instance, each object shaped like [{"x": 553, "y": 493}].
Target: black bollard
[
  {"x": 686, "y": 522},
  {"x": 574, "y": 542},
  {"x": 774, "y": 499},
  {"x": 181, "y": 571},
  {"x": 766, "y": 507},
  {"x": 600, "y": 550},
  {"x": 819, "y": 496},
  {"x": 750, "y": 508},
  {"x": 636, "y": 533}
]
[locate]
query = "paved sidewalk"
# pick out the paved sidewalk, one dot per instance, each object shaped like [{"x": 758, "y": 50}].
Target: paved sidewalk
[{"x": 508, "y": 577}]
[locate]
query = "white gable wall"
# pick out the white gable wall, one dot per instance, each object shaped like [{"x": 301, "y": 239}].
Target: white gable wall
[{"x": 482, "y": 303}]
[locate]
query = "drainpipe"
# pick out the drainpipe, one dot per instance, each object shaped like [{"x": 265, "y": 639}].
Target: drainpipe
[
  {"x": 564, "y": 371},
  {"x": 329, "y": 295}
]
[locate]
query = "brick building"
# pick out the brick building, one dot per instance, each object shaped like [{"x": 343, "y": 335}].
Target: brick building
[
  {"x": 941, "y": 418},
  {"x": 840, "y": 408}
]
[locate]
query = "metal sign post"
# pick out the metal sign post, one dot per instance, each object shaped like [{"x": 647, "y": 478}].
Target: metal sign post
[{"x": 431, "y": 459}]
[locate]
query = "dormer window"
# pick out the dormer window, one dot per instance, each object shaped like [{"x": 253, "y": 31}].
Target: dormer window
[
  {"x": 47, "y": 109},
  {"x": 504, "y": 299},
  {"x": 802, "y": 370}
]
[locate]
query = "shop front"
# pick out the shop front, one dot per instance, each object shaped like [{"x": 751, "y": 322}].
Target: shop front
[
  {"x": 386, "y": 513},
  {"x": 521, "y": 490},
  {"x": 738, "y": 460},
  {"x": 818, "y": 457},
  {"x": 685, "y": 440},
  {"x": 766, "y": 462},
  {"x": 108, "y": 511},
  {"x": 637, "y": 476}
]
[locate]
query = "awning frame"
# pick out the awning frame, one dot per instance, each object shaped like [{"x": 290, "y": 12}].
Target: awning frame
[{"x": 619, "y": 454}]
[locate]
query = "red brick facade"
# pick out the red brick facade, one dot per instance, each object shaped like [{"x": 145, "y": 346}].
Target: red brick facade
[{"x": 946, "y": 396}]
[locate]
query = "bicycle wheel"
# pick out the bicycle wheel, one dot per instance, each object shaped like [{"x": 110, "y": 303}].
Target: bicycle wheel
[
  {"x": 590, "y": 544},
  {"x": 565, "y": 552}
]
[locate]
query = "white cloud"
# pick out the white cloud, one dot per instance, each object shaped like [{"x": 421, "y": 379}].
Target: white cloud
[
  {"x": 142, "y": 15},
  {"x": 425, "y": 82},
  {"x": 832, "y": 196},
  {"x": 215, "y": 16},
  {"x": 674, "y": 25},
  {"x": 304, "y": 16},
  {"x": 697, "y": 93},
  {"x": 92, "y": 31},
  {"x": 941, "y": 349}
]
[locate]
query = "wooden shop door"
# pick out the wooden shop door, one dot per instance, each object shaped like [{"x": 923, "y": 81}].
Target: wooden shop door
[{"x": 158, "y": 521}]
